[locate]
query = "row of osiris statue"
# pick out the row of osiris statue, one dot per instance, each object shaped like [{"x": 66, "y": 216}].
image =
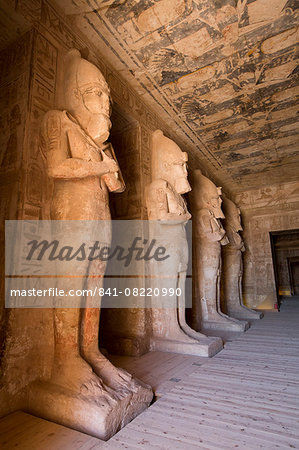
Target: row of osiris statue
[
  {"x": 86, "y": 391},
  {"x": 167, "y": 207}
]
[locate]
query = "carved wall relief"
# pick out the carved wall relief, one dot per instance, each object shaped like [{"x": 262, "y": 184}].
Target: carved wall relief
[
  {"x": 274, "y": 208},
  {"x": 14, "y": 79}
]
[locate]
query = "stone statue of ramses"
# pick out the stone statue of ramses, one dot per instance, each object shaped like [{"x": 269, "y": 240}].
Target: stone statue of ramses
[{"x": 83, "y": 168}]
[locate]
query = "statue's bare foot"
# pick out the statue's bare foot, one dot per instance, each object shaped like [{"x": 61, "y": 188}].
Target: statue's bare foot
[
  {"x": 76, "y": 374},
  {"x": 114, "y": 377}
]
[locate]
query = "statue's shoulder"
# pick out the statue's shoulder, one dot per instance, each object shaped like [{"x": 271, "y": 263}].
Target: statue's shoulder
[
  {"x": 52, "y": 123},
  {"x": 204, "y": 218},
  {"x": 156, "y": 194},
  {"x": 54, "y": 114},
  {"x": 55, "y": 123},
  {"x": 58, "y": 116},
  {"x": 157, "y": 185}
]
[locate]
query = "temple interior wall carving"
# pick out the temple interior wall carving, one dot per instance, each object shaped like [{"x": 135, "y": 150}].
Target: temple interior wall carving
[
  {"x": 273, "y": 208},
  {"x": 27, "y": 83}
]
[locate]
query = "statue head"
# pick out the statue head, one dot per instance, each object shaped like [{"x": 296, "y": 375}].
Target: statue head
[
  {"x": 232, "y": 214},
  {"x": 206, "y": 195},
  {"x": 87, "y": 96},
  {"x": 169, "y": 162}
]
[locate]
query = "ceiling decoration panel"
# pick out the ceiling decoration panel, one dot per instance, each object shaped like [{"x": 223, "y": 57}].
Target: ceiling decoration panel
[{"x": 222, "y": 73}]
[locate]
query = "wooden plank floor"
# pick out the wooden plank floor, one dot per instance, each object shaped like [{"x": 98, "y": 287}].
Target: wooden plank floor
[
  {"x": 246, "y": 397},
  {"x": 23, "y": 431},
  {"x": 159, "y": 369}
]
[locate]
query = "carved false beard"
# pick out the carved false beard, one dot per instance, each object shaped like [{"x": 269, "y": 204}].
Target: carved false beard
[
  {"x": 97, "y": 126},
  {"x": 234, "y": 224},
  {"x": 181, "y": 185},
  {"x": 238, "y": 228},
  {"x": 217, "y": 211}
]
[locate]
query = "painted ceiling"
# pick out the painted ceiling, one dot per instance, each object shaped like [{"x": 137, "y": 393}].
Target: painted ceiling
[
  {"x": 222, "y": 73},
  {"x": 225, "y": 70}
]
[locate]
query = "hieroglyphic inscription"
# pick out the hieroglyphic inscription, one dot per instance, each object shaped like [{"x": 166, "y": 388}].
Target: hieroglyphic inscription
[{"x": 42, "y": 99}]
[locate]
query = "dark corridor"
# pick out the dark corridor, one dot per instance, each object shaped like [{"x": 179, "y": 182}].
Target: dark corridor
[{"x": 285, "y": 255}]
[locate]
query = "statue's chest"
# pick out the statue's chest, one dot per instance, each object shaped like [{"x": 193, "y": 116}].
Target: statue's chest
[{"x": 81, "y": 147}]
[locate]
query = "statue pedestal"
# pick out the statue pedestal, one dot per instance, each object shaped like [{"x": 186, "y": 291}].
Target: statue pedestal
[
  {"x": 242, "y": 312},
  {"x": 207, "y": 347},
  {"x": 225, "y": 323},
  {"x": 94, "y": 415}
]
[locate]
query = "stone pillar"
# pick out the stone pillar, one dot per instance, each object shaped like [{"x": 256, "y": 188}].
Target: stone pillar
[
  {"x": 168, "y": 214},
  {"x": 232, "y": 269},
  {"x": 208, "y": 237}
]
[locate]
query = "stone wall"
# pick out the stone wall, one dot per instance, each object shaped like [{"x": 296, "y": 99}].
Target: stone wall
[
  {"x": 274, "y": 208},
  {"x": 26, "y": 93}
]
